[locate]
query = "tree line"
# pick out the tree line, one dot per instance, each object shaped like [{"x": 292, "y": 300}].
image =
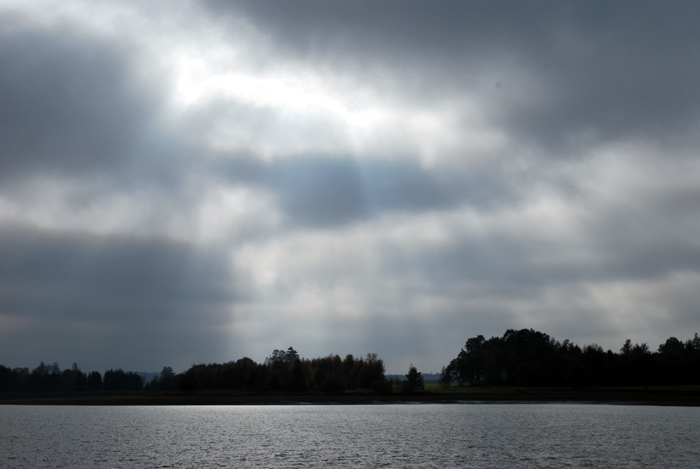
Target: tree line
[
  {"x": 285, "y": 371},
  {"x": 520, "y": 358},
  {"x": 50, "y": 378},
  {"x": 282, "y": 371},
  {"x": 531, "y": 358}
]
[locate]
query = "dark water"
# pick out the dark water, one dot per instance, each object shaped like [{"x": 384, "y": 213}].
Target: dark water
[{"x": 477, "y": 436}]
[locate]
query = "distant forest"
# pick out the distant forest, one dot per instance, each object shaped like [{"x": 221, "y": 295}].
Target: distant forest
[
  {"x": 531, "y": 358},
  {"x": 520, "y": 358},
  {"x": 283, "y": 371}
]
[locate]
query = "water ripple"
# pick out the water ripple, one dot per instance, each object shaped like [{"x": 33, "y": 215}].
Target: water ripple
[{"x": 405, "y": 436}]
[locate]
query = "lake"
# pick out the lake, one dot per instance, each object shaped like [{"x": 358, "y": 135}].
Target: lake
[{"x": 404, "y": 435}]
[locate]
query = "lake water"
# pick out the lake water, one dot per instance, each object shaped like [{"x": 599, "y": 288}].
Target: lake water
[{"x": 421, "y": 435}]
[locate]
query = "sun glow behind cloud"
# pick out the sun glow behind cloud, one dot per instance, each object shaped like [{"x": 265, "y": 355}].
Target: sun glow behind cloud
[{"x": 291, "y": 99}]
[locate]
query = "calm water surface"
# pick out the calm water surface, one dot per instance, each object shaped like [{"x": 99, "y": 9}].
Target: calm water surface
[{"x": 422, "y": 435}]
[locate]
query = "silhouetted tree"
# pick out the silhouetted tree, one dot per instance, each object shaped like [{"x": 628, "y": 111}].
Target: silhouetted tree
[
  {"x": 187, "y": 381},
  {"x": 299, "y": 380},
  {"x": 383, "y": 386},
  {"x": 332, "y": 385},
  {"x": 529, "y": 358},
  {"x": 671, "y": 346},
  {"x": 291, "y": 355},
  {"x": 370, "y": 369},
  {"x": 695, "y": 342},
  {"x": 579, "y": 375},
  {"x": 469, "y": 364},
  {"x": 262, "y": 379},
  {"x": 281, "y": 356},
  {"x": 8, "y": 379},
  {"x": 45, "y": 378},
  {"x": 94, "y": 381},
  {"x": 627, "y": 348},
  {"x": 445, "y": 378},
  {"x": 118, "y": 380},
  {"x": 167, "y": 379},
  {"x": 347, "y": 371},
  {"x": 414, "y": 380}
]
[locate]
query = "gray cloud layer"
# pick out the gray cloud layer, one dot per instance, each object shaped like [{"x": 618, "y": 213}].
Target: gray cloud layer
[
  {"x": 565, "y": 68},
  {"x": 67, "y": 105},
  {"x": 120, "y": 299},
  {"x": 219, "y": 180}
]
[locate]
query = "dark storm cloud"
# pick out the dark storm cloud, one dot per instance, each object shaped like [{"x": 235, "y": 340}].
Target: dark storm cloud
[
  {"x": 67, "y": 104},
  {"x": 146, "y": 301},
  {"x": 409, "y": 29},
  {"x": 634, "y": 74},
  {"x": 568, "y": 74},
  {"x": 323, "y": 192}
]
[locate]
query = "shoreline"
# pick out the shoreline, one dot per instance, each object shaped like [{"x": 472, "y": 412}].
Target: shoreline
[{"x": 659, "y": 398}]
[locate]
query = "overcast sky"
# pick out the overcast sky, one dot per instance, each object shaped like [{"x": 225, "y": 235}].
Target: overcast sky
[{"x": 188, "y": 182}]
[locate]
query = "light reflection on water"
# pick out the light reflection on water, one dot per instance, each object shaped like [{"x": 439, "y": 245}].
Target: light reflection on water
[{"x": 476, "y": 436}]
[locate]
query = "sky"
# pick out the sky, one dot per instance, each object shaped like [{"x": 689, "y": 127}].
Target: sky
[{"x": 195, "y": 182}]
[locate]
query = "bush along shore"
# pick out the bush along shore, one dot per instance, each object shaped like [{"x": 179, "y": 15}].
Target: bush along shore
[{"x": 521, "y": 366}]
